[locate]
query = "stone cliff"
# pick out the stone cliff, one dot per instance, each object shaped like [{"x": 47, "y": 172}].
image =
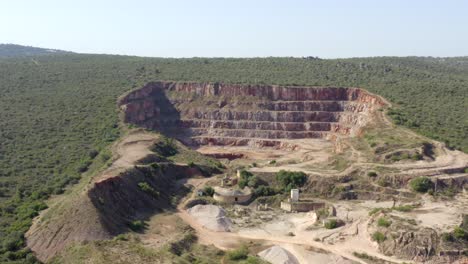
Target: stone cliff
[{"x": 258, "y": 115}]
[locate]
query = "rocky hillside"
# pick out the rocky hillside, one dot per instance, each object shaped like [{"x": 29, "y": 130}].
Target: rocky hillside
[{"x": 260, "y": 115}]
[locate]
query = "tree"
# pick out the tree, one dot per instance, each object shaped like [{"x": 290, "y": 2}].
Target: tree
[
  {"x": 421, "y": 184},
  {"x": 208, "y": 191},
  {"x": 291, "y": 179}
]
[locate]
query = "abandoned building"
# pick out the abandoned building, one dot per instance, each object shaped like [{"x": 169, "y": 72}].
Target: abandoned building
[
  {"x": 295, "y": 204},
  {"x": 229, "y": 195}
]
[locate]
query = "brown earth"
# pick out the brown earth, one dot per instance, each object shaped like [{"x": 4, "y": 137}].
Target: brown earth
[{"x": 104, "y": 207}]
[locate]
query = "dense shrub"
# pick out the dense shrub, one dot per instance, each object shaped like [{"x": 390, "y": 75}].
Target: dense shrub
[
  {"x": 264, "y": 190},
  {"x": 378, "y": 237},
  {"x": 460, "y": 233},
  {"x": 404, "y": 208},
  {"x": 383, "y": 222},
  {"x": 372, "y": 174},
  {"x": 238, "y": 254},
  {"x": 331, "y": 224},
  {"x": 421, "y": 184},
  {"x": 208, "y": 191},
  {"x": 247, "y": 179},
  {"x": 144, "y": 186},
  {"x": 136, "y": 225},
  {"x": 291, "y": 179},
  {"x": 165, "y": 147}
]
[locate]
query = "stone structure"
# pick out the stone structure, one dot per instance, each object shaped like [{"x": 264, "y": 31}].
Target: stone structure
[
  {"x": 295, "y": 204},
  {"x": 301, "y": 206},
  {"x": 294, "y": 195},
  {"x": 227, "y": 195}
]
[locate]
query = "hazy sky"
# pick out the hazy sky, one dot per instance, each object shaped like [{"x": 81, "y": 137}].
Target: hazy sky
[{"x": 240, "y": 28}]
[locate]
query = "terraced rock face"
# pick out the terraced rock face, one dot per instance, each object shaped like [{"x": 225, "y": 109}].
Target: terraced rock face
[{"x": 224, "y": 114}]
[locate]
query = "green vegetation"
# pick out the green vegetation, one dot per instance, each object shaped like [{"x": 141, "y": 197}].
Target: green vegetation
[
  {"x": 264, "y": 190},
  {"x": 364, "y": 255},
  {"x": 458, "y": 234},
  {"x": 144, "y": 186},
  {"x": 372, "y": 174},
  {"x": 378, "y": 237},
  {"x": 404, "y": 208},
  {"x": 56, "y": 109},
  {"x": 291, "y": 179},
  {"x": 421, "y": 184},
  {"x": 136, "y": 225},
  {"x": 131, "y": 250},
  {"x": 166, "y": 147},
  {"x": 239, "y": 253},
  {"x": 208, "y": 191},
  {"x": 247, "y": 179},
  {"x": 331, "y": 224},
  {"x": 383, "y": 222},
  {"x": 12, "y": 50}
]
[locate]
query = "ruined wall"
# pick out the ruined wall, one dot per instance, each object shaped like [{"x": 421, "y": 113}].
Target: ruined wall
[
  {"x": 258, "y": 115},
  {"x": 301, "y": 206}
]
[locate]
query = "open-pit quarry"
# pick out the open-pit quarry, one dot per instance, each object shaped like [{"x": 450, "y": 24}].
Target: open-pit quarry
[{"x": 356, "y": 162}]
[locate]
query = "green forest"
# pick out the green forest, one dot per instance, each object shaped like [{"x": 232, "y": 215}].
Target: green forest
[{"x": 58, "y": 112}]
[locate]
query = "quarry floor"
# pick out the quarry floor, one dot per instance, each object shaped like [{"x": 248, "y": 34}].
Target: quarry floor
[
  {"x": 320, "y": 245},
  {"x": 308, "y": 245}
]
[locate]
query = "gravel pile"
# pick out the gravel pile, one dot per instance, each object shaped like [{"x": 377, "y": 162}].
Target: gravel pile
[
  {"x": 278, "y": 255},
  {"x": 211, "y": 217}
]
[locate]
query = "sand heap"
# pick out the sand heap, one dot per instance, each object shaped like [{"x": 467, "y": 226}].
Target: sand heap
[
  {"x": 278, "y": 255},
  {"x": 211, "y": 217}
]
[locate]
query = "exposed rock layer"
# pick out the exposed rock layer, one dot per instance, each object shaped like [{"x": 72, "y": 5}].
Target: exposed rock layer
[
  {"x": 262, "y": 115},
  {"x": 104, "y": 210}
]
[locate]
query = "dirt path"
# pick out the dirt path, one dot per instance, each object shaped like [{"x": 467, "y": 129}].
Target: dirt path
[{"x": 128, "y": 151}]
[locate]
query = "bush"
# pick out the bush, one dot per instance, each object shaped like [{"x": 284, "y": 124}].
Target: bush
[
  {"x": 93, "y": 153},
  {"x": 448, "y": 237},
  {"x": 136, "y": 225},
  {"x": 238, "y": 254},
  {"x": 383, "y": 222},
  {"x": 144, "y": 186},
  {"x": 165, "y": 147},
  {"x": 331, "y": 224},
  {"x": 245, "y": 178},
  {"x": 291, "y": 179},
  {"x": 264, "y": 190},
  {"x": 404, "y": 208},
  {"x": 191, "y": 164},
  {"x": 208, "y": 191},
  {"x": 460, "y": 233},
  {"x": 421, "y": 184},
  {"x": 252, "y": 182},
  {"x": 378, "y": 236},
  {"x": 372, "y": 174},
  {"x": 84, "y": 165}
]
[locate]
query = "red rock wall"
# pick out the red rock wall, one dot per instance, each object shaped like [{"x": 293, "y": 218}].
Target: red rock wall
[{"x": 226, "y": 114}]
